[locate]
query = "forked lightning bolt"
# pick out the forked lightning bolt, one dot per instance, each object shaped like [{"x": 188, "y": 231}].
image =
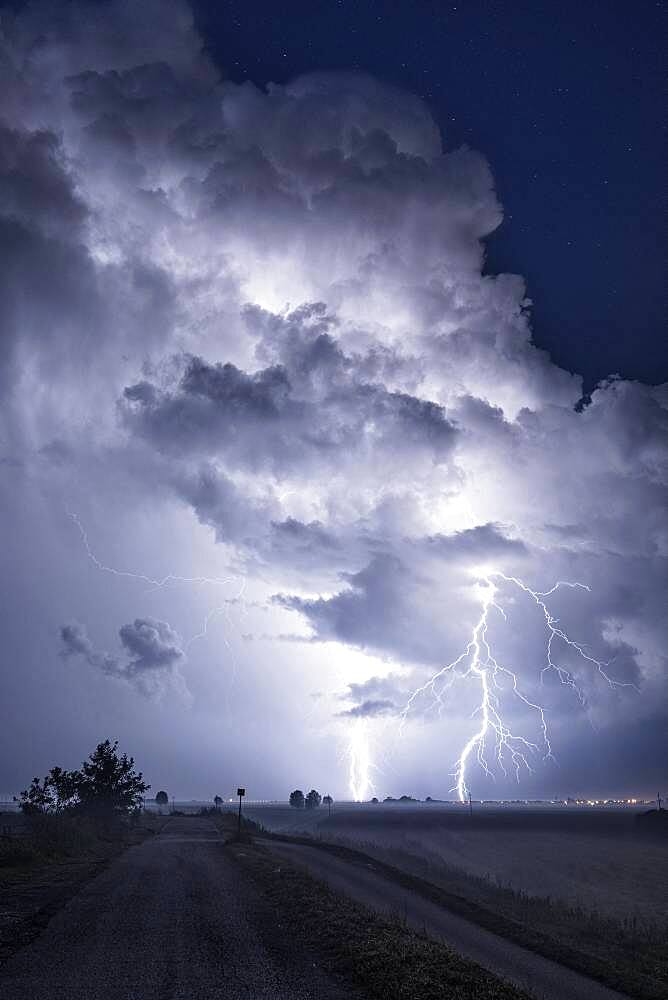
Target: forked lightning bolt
[
  {"x": 156, "y": 584},
  {"x": 477, "y": 662}
]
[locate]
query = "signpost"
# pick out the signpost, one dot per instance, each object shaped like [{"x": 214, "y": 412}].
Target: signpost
[{"x": 240, "y": 792}]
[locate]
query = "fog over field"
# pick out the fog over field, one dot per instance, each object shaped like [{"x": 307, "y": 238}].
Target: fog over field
[{"x": 595, "y": 858}]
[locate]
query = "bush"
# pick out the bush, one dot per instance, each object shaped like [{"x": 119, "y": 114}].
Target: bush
[
  {"x": 49, "y": 836},
  {"x": 107, "y": 786}
]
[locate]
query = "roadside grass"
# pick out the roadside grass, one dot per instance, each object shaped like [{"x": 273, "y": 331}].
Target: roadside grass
[
  {"x": 52, "y": 838},
  {"x": 227, "y": 823},
  {"x": 44, "y": 864},
  {"x": 632, "y": 950},
  {"x": 383, "y": 958},
  {"x": 627, "y": 955}
]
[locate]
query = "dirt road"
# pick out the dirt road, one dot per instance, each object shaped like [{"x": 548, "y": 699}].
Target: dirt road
[
  {"x": 171, "y": 919},
  {"x": 544, "y": 979}
]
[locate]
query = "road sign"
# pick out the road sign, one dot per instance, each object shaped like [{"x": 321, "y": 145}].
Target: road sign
[{"x": 240, "y": 792}]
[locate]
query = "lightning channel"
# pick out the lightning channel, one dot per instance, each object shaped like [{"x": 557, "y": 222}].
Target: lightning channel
[
  {"x": 159, "y": 583},
  {"x": 493, "y": 743},
  {"x": 360, "y": 762}
]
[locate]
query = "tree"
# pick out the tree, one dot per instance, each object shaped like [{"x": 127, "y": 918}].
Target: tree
[
  {"x": 108, "y": 784},
  {"x": 162, "y": 799},
  {"x": 56, "y": 792},
  {"x": 38, "y": 798},
  {"x": 217, "y": 801},
  {"x": 328, "y": 800},
  {"x": 313, "y": 799},
  {"x": 297, "y": 799},
  {"x": 65, "y": 785}
]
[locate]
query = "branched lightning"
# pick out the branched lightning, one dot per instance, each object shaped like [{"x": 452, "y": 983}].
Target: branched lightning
[
  {"x": 493, "y": 744},
  {"x": 478, "y": 662},
  {"x": 156, "y": 584}
]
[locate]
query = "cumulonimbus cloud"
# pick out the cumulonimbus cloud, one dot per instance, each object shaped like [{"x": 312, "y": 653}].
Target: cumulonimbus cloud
[{"x": 281, "y": 318}]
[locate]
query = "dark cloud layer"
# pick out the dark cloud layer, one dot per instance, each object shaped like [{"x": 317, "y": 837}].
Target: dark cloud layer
[{"x": 267, "y": 310}]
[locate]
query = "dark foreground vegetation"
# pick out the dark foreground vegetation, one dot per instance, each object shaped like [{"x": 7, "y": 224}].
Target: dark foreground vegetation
[
  {"x": 72, "y": 824},
  {"x": 629, "y": 955},
  {"x": 381, "y": 958},
  {"x": 70, "y": 814}
]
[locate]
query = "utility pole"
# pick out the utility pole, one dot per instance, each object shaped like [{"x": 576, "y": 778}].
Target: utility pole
[
  {"x": 658, "y": 800},
  {"x": 240, "y": 792}
]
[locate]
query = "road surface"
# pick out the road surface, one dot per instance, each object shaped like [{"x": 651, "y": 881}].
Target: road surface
[
  {"x": 171, "y": 919},
  {"x": 537, "y": 975}
]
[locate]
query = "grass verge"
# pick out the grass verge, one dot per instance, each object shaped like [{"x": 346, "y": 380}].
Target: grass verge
[
  {"x": 41, "y": 870},
  {"x": 635, "y": 963},
  {"x": 384, "y": 959}
]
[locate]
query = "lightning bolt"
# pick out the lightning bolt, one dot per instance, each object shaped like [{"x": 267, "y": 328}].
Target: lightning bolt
[
  {"x": 478, "y": 663},
  {"x": 157, "y": 584},
  {"x": 360, "y": 763}
]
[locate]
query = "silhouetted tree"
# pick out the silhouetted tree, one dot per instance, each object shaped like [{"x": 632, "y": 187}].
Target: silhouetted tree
[
  {"x": 37, "y": 798},
  {"x": 313, "y": 799},
  {"x": 297, "y": 799},
  {"x": 109, "y": 784},
  {"x": 162, "y": 799},
  {"x": 217, "y": 801},
  {"x": 106, "y": 785},
  {"x": 328, "y": 800},
  {"x": 56, "y": 792}
]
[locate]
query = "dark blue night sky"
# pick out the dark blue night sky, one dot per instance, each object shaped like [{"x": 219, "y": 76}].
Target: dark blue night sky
[{"x": 565, "y": 102}]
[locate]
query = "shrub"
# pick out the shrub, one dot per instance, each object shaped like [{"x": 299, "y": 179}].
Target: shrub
[{"x": 106, "y": 786}]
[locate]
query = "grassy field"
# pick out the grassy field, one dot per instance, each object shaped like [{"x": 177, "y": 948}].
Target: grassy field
[
  {"x": 589, "y": 859},
  {"x": 585, "y": 887},
  {"x": 382, "y": 958}
]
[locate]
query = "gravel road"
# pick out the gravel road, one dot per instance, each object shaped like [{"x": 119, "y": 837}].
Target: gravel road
[
  {"x": 171, "y": 919},
  {"x": 537, "y": 975}
]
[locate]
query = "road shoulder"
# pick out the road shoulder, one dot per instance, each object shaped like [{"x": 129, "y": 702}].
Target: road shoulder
[
  {"x": 382, "y": 958},
  {"x": 30, "y": 896}
]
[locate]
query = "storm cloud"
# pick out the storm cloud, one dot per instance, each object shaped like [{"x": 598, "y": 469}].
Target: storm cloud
[
  {"x": 264, "y": 314},
  {"x": 152, "y": 653}
]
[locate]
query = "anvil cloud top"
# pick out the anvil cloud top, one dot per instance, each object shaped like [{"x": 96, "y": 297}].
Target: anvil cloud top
[{"x": 269, "y": 431}]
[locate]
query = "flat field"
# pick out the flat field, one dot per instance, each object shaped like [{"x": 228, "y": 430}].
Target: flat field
[{"x": 596, "y": 859}]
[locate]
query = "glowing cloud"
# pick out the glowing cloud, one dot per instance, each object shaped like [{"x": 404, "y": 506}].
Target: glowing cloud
[{"x": 263, "y": 316}]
